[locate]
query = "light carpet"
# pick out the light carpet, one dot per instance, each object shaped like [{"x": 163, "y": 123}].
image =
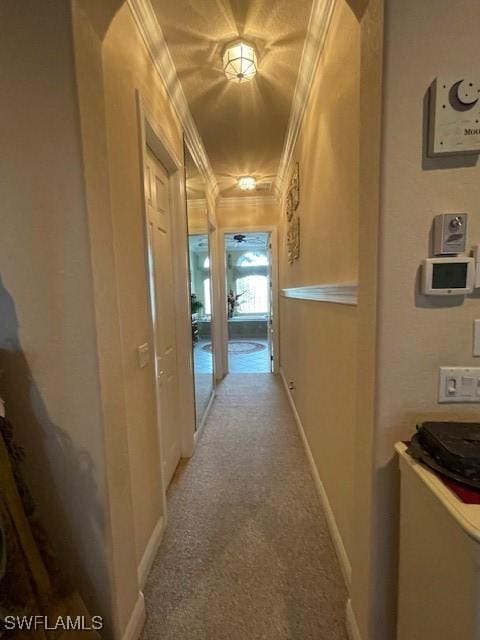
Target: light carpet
[{"x": 247, "y": 554}]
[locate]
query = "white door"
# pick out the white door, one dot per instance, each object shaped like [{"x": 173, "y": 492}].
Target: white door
[
  {"x": 163, "y": 301},
  {"x": 270, "y": 324}
]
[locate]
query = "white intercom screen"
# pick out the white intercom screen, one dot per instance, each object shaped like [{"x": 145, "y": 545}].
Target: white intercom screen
[{"x": 449, "y": 275}]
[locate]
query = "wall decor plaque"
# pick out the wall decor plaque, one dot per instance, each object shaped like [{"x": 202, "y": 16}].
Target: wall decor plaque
[
  {"x": 291, "y": 204},
  {"x": 293, "y": 240}
]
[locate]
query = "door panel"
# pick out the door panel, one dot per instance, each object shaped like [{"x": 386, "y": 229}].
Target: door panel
[
  {"x": 163, "y": 301},
  {"x": 270, "y": 306}
]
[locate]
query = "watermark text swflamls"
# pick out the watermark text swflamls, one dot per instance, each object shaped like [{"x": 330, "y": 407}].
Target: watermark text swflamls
[{"x": 66, "y": 623}]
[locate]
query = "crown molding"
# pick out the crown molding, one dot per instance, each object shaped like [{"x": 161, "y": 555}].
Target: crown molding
[
  {"x": 317, "y": 30},
  {"x": 153, "y": 37},
  {"x": 236, "y": 201}
]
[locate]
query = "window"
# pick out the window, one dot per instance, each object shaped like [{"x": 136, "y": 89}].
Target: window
[
  {"x": 206, "y": 263},
  {"x": 253, "y": 259},
  {"x": 206, "y": 296},
  {"x": 254, "y": 298}
]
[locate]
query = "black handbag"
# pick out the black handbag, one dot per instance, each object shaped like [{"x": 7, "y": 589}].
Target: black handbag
[{"x": 451, "y": 448}]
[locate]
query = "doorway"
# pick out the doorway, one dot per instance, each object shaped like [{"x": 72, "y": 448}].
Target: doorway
[{"x": 248, "y": 283}]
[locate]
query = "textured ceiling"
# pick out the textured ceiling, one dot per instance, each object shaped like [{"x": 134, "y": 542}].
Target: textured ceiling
[{"x": 242, "y": 125}]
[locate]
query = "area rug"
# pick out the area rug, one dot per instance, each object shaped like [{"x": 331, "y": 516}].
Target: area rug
[{"x": 239, "y": 347}]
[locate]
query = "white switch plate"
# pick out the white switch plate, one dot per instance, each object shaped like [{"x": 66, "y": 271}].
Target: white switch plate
[
  {"x": 143, "y": 355},
  {"x": 476, "y": 337},
  {"x": 459, "y": 384}
]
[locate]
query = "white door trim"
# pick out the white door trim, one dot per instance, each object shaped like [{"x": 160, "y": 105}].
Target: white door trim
[
  {"x": 223, "y": 347},
  {"x": 152, "y": 136},
  {"x": 218, "y": 289},
  {"x": 217, "y": 318}
]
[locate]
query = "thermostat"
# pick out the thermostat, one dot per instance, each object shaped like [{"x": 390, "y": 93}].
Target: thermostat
[{"x": 448, "y": 276}]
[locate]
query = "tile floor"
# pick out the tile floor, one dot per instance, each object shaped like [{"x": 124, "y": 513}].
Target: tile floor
[
  {"x": 202, "y": 360},
  {"x": 257, "y": 362},
  {"x": 203, "y": 367}
]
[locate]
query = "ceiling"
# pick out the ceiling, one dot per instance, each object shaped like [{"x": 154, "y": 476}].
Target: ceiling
[
  {"x": 198, "y": 243},
  {"x": 242, "y": 125},
  {"x": 251, "y": 242},
  {"x": 194, "y": 181}
]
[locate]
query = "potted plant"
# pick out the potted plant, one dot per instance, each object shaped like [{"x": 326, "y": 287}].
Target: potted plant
[
  {"x": 232, "y": 300},
  {"x": 196, "y": 306}
]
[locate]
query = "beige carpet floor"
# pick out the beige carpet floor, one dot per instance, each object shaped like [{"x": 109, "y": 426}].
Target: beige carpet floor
[{"x": 246, "y": 555}]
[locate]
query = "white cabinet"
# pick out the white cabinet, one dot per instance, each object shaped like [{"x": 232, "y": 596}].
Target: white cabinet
[{"x": 439, "y": 559}]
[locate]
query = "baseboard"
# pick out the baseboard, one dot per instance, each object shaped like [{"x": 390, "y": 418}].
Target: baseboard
[
  {"x": 201, "y": 426},
  {"x": 332, "y": 524},
  {"x": 352, "y": 626},
  {"x": 137, "y": 620},
  {"x": 150, "y": 552}
]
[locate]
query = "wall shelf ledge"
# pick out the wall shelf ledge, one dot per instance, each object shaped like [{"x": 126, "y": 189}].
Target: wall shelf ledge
[{"x": 339, "y": 293}]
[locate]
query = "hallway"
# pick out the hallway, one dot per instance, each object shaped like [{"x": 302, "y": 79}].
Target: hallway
[{"x": 246, "y": 554}]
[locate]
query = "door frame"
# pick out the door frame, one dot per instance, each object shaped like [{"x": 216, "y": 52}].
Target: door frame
[
  {"x": 152, "y": 136},
  {"x": 217, "y": 327},
  {"x": 214, "y": 324},
  {"x": 223, "y": 350}
]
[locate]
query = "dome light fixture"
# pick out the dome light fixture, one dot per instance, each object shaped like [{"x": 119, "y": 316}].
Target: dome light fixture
[
  {"x": 247, "y": 183},
  {"x": 240, "y": 61}
]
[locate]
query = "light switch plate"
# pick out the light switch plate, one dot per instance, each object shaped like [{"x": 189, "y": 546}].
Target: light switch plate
[
  {"x": 143, "y": 355},
  {"x": 459, "y": 385}
]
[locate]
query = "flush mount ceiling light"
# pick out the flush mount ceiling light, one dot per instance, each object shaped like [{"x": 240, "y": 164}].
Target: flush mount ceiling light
[
  {"x": 240, "y": 61},
  {"x": 247, "y": 183}
]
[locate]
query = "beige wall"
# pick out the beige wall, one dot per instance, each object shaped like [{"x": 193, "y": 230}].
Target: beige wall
[
  {"x": 127, "y": 67},
  {"x": 73, "y": 295},
  {"x": 119, "y": 511},
  {"x": 48, "y": 361},
  {"x": 416, "y": 335},
  {"x": 248, "y": 215},
  {"x": 371, "y": 83},
  {"x": 197, "y": 219},
  {"x": 110, "y": 72},
  {"x": 318, "y": 341}
]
